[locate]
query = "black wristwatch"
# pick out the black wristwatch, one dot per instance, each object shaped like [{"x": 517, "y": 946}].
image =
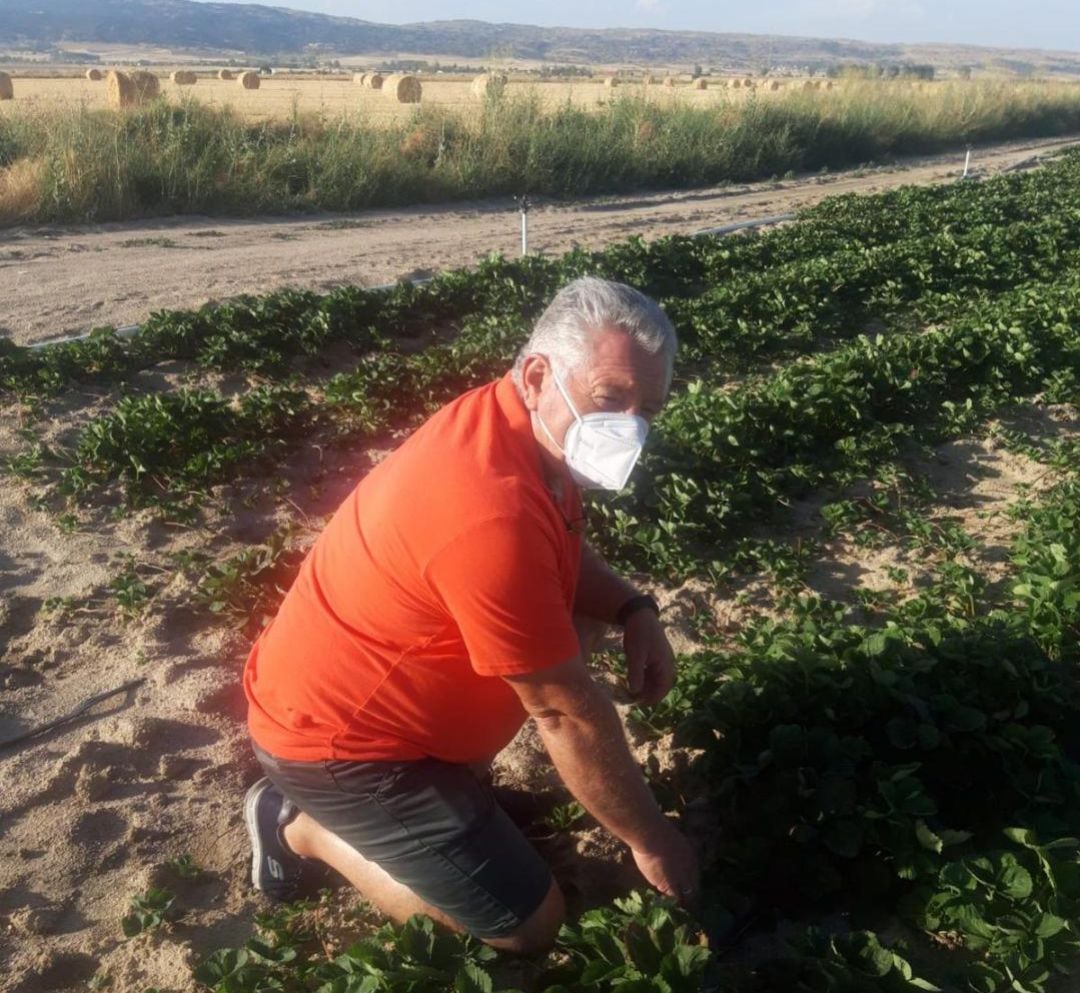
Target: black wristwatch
[{"x": 633, "y": 605}]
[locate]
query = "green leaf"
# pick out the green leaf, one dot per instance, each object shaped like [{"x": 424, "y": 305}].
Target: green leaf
[
  {"x": 927, "y": 838},
  {"x": 472, "y": 979},
  {"x": 1016, "y": 882},
  {"x": 874, "y": 960},
  {"x": 641, "y": 949},
  {"x": 1049, "y": 925},
  {"x": 1022, "y": 836}
]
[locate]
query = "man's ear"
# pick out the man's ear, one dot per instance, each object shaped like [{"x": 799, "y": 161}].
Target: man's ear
[{"x": 534, "y": 372}]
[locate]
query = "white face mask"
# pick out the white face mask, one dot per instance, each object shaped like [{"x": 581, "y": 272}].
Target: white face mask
[{"x": 600, "y": 449}]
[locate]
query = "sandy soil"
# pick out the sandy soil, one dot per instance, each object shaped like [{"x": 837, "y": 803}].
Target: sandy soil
[
  {"x": 56, "y": 281},
  {"x": 92, "y": 813}
]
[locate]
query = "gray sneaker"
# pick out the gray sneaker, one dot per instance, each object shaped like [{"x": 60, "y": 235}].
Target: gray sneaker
[{"x": 275, "y": 869}]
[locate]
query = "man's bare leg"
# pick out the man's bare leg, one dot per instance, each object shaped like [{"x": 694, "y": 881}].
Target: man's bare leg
[{"x": 310, "y": 839}]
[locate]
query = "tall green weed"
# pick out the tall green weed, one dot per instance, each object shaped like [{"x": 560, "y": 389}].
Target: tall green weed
[{"x": 94, "y": 165}]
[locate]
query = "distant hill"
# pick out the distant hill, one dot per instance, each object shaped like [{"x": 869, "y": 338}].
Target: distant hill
[{"x": 266, "y": 31}]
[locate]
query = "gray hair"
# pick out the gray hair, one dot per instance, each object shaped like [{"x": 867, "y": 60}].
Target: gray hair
[{"x": 585, "y": 306}]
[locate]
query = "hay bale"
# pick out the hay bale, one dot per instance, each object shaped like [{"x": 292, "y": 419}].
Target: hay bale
[
  {"x": 226, "y": 74},
  {"x": 829, "y": 84},
  {"x": 7, "y": 91},
  {"x": 402, "y": 88},
  {"x": 95, "y": 75},
  {"x": 127, "y": 89},
  {"x": 249, "y": 80},
  {"x": 748, "y": 84},
  {"x": 374, "y": 80},
  {"x": 184, "y": 77},
  {"x": 649, "y": 80},
  {"x": 147, "y": 86},
  {"x": 775, "y": 84},
  {"x": 669, "y": 82},
  {"x": 490, "y": 84},
  {"x": 359, "y": 77},
  {"x": 120, "y": 90},
  {"x": 736, "y": 84},
  {"x": 610, "y": 83},
  {"x": 701, "y": 83}
]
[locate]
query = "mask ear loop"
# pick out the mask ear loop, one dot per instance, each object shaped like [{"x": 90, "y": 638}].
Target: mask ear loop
[{"x": 567, "y": 400}]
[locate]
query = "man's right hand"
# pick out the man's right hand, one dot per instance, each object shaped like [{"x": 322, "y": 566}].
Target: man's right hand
[
  {"x": 587, "y": 745},
  {"x": 671, "y": 866}
]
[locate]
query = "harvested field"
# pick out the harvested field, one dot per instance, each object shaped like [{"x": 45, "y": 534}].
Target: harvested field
[{"x": 281, "y": 95}]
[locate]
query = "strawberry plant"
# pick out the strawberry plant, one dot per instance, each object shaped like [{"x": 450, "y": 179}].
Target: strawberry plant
[{"x": 152, "y": 910}]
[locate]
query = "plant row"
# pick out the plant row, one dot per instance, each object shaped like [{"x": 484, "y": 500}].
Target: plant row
[
  {"x": 846, "y": 260},
  {"x": 927, "y": 769},
  {"x": 723, "y": 458}
]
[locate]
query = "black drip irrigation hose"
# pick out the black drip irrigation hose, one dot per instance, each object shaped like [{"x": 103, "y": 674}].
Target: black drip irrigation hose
[{"x": 67, "y": 718}]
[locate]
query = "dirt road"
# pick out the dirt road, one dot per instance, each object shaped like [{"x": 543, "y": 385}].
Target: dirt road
[{"x": 63, "y": 280}]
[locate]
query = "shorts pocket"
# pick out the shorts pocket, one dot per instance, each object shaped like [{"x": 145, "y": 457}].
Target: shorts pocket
[{"x": 361, "y": 779}]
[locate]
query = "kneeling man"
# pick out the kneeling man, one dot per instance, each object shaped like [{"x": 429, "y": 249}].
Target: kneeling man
[{"x": 450, "y": 598}]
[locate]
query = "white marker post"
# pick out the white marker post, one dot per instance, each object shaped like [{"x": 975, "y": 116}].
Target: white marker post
[{"x": 523, "y": 206}]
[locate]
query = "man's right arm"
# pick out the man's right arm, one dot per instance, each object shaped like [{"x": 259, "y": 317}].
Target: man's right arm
[{"x": 585, "y": 740}]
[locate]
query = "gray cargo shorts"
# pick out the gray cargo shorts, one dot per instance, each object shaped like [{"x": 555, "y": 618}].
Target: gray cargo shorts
[{"x": 431, "y": 825}]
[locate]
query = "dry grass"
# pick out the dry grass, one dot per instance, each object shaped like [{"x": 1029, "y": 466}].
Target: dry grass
[
  {"x": 490, "y": 84},
  {"x": 183, "y": 153},
  {"x": 285, "y": 98},
  {"x": 281, "y": 98},
  {"x": 20, "y": 190}
]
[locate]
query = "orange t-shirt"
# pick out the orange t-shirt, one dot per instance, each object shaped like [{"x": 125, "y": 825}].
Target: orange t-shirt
[{"x": 448, "y": 566}]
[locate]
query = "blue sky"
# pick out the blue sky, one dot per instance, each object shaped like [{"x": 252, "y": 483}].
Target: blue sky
[{"x": 1006, "y": 23}]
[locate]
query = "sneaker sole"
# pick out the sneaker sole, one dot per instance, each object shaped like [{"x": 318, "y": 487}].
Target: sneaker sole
[{"x": 251, "y": 801}]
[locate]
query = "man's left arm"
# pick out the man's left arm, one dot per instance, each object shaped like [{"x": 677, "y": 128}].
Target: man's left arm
[{"x": 650, "y": 663}]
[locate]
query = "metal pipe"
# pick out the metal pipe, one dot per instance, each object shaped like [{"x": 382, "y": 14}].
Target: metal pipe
[{"x": 743, "y": 225}]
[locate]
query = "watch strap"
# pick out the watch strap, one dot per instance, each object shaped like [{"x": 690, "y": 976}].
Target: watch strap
[{"x": 634, "y": 604}]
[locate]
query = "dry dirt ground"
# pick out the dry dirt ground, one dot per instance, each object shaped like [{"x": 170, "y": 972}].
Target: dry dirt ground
[
  {"x": 92, "y": 813},
  {"x": 56, "y": 281}
]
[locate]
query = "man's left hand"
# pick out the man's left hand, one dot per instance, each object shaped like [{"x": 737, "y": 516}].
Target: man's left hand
[{"x": 650, "y": 662}]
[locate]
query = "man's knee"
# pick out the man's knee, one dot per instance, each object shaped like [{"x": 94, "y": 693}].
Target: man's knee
[{"x": 538, "y": 933}]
